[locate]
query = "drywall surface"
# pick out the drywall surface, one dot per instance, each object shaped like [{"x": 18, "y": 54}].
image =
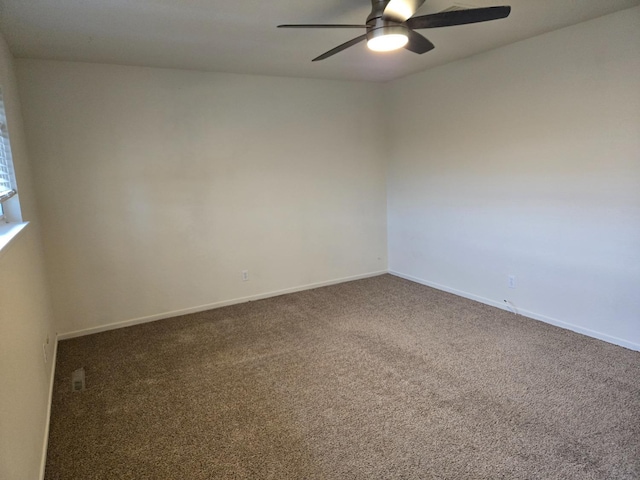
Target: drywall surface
[
  {"x": 525, "y": 161},
  {"x": 158, "y": 187},
  {"x": 26, "y": 317}
]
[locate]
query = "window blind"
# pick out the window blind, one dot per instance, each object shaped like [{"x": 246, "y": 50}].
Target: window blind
[{"x": 7, "y": 185}]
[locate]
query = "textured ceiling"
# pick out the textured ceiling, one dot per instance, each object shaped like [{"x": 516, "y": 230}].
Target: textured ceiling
[{"x": 241, "y": 36}]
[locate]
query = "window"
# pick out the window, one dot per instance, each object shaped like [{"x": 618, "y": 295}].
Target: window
[{"x": 7, "y": 178}]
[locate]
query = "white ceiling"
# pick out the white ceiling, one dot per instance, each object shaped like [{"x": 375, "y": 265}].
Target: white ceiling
[{"x": 241, "y": 36}]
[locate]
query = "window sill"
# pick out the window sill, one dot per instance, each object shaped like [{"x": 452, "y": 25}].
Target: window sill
[{"x": 8, "y": 233}]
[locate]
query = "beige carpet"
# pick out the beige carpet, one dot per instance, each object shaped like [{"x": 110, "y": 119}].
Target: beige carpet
[{"x": 373, "y": 379}]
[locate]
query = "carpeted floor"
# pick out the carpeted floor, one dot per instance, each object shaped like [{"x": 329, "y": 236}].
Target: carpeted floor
[{"x": 375, "y": 379}]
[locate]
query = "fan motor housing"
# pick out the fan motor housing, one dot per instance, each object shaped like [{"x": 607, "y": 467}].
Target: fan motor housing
[{"x": 377, "y": 27}]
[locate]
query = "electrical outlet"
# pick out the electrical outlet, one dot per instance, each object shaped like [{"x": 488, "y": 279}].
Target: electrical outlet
[
  {"x": 245, "y": 275},
  {"x": 511, "y": 281}
]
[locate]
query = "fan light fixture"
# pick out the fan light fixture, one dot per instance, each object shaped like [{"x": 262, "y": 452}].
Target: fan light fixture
[
  {"x": 386, "y": 43},
  {"x": 386, "y": 39}
]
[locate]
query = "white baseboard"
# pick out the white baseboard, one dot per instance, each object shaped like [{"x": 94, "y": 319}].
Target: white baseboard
[
  {"x": 45, "y": 444},
  {"x": 210, "y": 306},
  {"x": 224, "y": 303},
  {"x": 525, "y": 313}
]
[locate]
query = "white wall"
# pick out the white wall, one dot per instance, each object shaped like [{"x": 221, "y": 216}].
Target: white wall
[
  {"x": 25, "y": 316},
  {"x": 159, "y": 186},
  {"x": 526, "y": 160}
]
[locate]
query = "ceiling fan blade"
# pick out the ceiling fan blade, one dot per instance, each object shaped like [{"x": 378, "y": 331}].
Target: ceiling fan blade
[
  {"x": 321, "y": 26},
  {"x": 339, "y": 48},
  {"x": 401, "y": 10},
  {"x": 459, "y": 17},
  {"x": 418, "y": 44}
]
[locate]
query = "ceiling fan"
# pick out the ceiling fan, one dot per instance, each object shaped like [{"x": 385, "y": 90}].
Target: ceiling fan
[{"x": 391, "y": 25}]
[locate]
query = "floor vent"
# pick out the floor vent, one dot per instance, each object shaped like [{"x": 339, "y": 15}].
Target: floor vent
[{"x": 77, "y": 380}]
